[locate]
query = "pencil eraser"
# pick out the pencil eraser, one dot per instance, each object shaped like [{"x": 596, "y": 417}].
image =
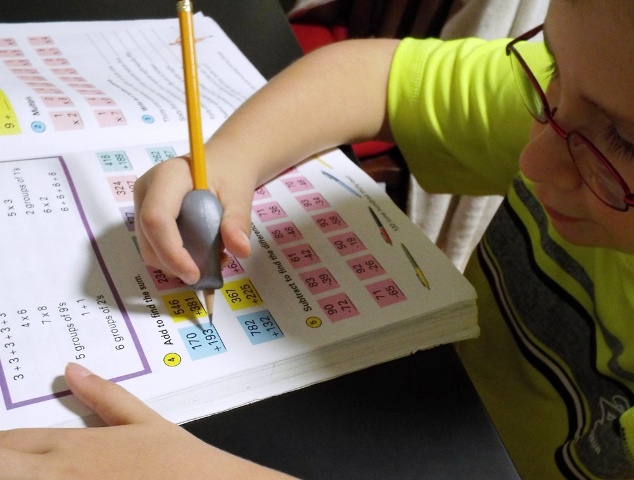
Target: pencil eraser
[{"x": 199, "y": 225}]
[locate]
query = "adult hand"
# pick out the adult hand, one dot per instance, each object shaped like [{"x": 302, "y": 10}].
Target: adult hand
[{"x": 137, "y": 444}]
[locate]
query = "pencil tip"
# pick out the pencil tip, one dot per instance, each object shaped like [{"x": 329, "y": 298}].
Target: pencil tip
[{"x": 209, "y": 302}]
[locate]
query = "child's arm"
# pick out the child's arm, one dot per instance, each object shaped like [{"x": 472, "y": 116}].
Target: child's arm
[
  {"x": 335, "y": 95},
  {"x": 138, "y": 444}
]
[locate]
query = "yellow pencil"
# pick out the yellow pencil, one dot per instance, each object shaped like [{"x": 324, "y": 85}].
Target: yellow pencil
[
  {"x": 201, "y": 212},
  {"x": 188, "y": 45}
]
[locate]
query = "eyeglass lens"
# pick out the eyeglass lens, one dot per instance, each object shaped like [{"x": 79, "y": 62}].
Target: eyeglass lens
[
  {"x": 595, "y": 173},
  {"x": 528, "y": 91}
]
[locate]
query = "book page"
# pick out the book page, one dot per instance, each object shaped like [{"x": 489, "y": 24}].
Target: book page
[
  {"x": 84, "y": 85},
  {"x": 339, "y": 278},
  {"x": 333, "y": 258}
]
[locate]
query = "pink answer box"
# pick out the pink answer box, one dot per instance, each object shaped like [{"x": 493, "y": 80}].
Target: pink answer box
[
  {"x": 284, "y": 232},
  {"x": 56, "y": 62},
  {"x": 72, "y": 79},
  {"x": 313, "y": 201},
  {"x": 32, "y": 78},
  {"x": 48, "y": 52},
  {"x": 233, "y": 268},
  {"x": 319, "y": 280},
  {"x": 122, "y": 187},
  {"x": 297, "y": 184},
  {"x": 11, "y": 53},
  {"x": 41, "y": 40},
  {"x": 17, "y": 62},
  {"x": 90, "y": 91},
  {"x": 301, "y": 256},
  {"x": 48, "y": 90},
  {"x": 67, "y": 121},
  {"x": 365, "y": 267},
  {"x": 56, "y": 101},
  {"x": 99, "y": 101},
  {"x": 386, "y": 293},
  {"x": 329, "y": 221},
  {"x": 110, "y": 118},
  {"x": 163, "y": 281},
  {"x": 25, "y": 71},
  {"x": 81, "y": 86},
  {"x": 338, "y": 307},
  {"x": 269, "y": 211},
  {"x": 347, "y": 243},
  {"x": 261, "y": 193},
  {"x": 64, "y": 71}
]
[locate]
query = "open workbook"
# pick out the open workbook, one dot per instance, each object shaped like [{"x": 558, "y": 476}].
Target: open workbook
[{"x": 339, "y": 278}]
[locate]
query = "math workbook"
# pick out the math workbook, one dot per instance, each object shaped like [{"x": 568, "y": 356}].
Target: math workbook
[{"x": 339, "y": 278}]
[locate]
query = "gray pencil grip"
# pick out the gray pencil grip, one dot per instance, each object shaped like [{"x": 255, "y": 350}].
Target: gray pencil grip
[{"x": 199, "y": 225}]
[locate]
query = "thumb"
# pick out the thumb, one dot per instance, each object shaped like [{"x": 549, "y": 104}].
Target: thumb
[
  {"x": 114, "y": 404},
  {"x": 235, "y": 227}
]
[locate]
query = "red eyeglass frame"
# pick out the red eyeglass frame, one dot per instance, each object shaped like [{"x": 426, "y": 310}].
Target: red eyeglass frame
[{"x": 548, "y": 113}]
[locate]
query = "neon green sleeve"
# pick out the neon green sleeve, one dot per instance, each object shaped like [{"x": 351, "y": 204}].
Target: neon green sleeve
[
  {"x": 626, "y": 422},
  {"x": 456, "y": 114}
]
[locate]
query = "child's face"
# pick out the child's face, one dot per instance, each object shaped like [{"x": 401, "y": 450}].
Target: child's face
[{"x": 592, "y": 42}]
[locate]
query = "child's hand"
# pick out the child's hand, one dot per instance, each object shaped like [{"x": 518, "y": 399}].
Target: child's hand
[
  {"x": 158, "y": 196},
  {"x": 138, "y": 443},
  {"x": 333, "y": 96}
]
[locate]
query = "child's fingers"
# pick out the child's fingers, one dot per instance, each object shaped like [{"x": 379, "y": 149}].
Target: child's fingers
[
  {"x": 158, "y": 198},
  {"x": 114, "y": 404}
]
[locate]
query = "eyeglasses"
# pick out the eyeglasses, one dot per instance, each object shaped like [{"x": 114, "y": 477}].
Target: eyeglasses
[{"x": 596, "y": 170}]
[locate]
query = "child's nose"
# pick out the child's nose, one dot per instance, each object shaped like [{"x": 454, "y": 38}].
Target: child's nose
[{"x": 546, "y": 159}]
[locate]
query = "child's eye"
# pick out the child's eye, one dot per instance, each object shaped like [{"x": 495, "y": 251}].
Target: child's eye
[
  {"x": 617, "y": 144},
  {"x": 551, "y": 71}
]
